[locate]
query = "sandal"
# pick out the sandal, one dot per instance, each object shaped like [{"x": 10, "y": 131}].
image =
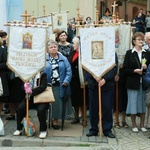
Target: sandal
[
  {"x": 125, "y": 125},
  {"x": 117, "y": 125}
]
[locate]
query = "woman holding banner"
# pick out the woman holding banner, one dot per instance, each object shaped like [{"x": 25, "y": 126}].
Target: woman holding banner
[{"x": 40, "y": 107}]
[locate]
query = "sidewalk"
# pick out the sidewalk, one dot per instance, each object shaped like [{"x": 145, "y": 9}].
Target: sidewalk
[{"x": 74, "y": 136}]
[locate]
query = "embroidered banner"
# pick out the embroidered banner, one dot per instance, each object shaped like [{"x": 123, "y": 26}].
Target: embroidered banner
[
  {"x": 26, "y": 51},
  {"x": 46, "y": 19},
  {"x": 98, "y": 50},
  {"x": 122, "y": 41},
  {"x": 60, "y": 20}
]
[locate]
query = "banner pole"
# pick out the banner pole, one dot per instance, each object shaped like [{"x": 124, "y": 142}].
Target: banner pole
[
  {"x": 27, "y": 112},
  {"x": 84, "y": 106},
  {"x": 100, "y": 112},
  {"x": 117, "y": 109}
]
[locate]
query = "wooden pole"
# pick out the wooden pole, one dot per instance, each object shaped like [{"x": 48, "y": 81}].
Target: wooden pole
[
  {"x": 84, "y": 106},
  {"x": 100, "y": 112},
  {"x": 27, "y": 112},
  {"x": 117, "y": 108}
]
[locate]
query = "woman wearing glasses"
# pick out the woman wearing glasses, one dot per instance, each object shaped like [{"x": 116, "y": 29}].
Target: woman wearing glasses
[{"x": 135, "y": 65}]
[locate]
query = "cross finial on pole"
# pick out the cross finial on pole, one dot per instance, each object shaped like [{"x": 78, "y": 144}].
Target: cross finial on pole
[
  {"x": 78, "y": 14},
  {"x": 97, "y": 14},
  {"x": 44, "y": 10},
  {"x": 59, "y": 5},
  {"x": 114, "y": 8},
  {"x": 26, "y": 15}
]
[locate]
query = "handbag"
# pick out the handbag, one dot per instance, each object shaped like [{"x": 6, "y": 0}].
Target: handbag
[
  {"x": 31, "y": 126},
  {"x": 2, "y": 132},
  {"x": 148, "y": 98},
  {"x": 46, "y": 96},
  {"x": 1, "y": 87}
]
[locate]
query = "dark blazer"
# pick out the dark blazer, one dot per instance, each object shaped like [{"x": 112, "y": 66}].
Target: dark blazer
[
  {"x": 42, "y": 87},
  {"x": 109, "y": 78},
  {"x": 4, "y": 71},
  {"x": 132, "y": 62}
]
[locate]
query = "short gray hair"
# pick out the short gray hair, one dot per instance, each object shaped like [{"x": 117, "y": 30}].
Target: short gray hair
[
  {"x": 52, "y": 42},
  {"x": 147, "y": 35},
  {"x": 76, "y": 40}
]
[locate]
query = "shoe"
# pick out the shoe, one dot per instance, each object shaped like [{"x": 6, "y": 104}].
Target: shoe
[
  {"x": 17, "y": 132},
  {"x": 43, "y": 135},
  {"x": 55, "y": 127},
  {"x": 135, "y": 130},
  {"x": 10, "y": 117},
  {"x": 143, "y": 129},
  {"x": 125, "y": 125},
  {"x": 110, "y": 135},
  {"x": 91, "y": 134},
  {"x": 117, "y": 125},
  {"x": 75, "y": 121}
]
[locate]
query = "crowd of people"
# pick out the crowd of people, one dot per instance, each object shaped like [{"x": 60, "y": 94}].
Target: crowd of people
[{"x": 62, "y": 73}]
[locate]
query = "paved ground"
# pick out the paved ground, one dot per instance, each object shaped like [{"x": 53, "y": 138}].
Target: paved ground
[{"x": 74, "y": 140}]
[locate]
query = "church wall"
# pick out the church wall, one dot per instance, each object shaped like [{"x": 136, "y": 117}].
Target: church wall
[
  {"x": 35, "y": 7},
  {"x": 87, "y": 7}
]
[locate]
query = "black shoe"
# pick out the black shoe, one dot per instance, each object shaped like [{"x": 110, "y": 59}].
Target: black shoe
[
  {"x": 55, "y": 127},
  {"x": 110, "y": 135},
  {"x": 75, "y": 121},
  {"x": 91, "y": 134},
  {"x": 10, "y": 118}
]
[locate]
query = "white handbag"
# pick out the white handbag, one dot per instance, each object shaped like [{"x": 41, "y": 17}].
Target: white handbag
[{"x": 2, "y": 132}]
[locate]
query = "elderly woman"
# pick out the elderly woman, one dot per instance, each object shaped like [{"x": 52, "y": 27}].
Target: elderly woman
[
  {"x": 59, "y": 76},
  {"x": 147, "y": 41},
  {"x": 135, "y": 67},
  {"x": 76, "y": 90}
]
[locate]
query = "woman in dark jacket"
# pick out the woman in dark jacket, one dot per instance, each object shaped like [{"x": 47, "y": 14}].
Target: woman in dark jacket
[
  {"x": 3, "y": 74},
  {"x": 134, "y": 67},
  {"x": 76, "y": 90},
  {"x": 40, "y": 107}
]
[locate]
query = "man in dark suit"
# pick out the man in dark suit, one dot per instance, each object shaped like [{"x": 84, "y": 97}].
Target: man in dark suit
[{"x": 107, "y": 84}]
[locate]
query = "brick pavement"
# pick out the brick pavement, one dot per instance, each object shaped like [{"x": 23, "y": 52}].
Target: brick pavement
[{"x": 125, "y": 139}]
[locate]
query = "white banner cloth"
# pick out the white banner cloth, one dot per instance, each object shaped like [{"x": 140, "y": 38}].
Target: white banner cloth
[
  {"x": 60, "y": 20},
  {"x": 123, "y": 41},
  {"x": 98, "y": 50},
  {"x": 26, "y": 51}
]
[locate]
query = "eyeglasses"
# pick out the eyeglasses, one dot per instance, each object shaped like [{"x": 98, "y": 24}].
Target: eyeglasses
[{"x": 139, "y": 39}]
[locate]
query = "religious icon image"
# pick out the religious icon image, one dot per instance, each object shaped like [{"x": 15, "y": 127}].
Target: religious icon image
[
  {"x": 59, "y": 20},
  {"x": 97, "y": 48},
  {"x": 27, "y": 41}
]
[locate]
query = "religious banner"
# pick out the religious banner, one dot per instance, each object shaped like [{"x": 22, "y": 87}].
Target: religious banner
[
  {"x": 60, "y": 20},
  {"x": 98, "y": 50},
  {"x": 122, "y": 40},
  {"x": 26, "y": 51},
  {"x": 46, "y": 19}
]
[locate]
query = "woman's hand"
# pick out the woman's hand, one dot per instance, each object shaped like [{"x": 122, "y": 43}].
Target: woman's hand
[
  {"x": 144, "y": 66},
  {"x": 27, "y": 88},
  {"x": 138, "y": 71},
  {"x": 64, "y": 84}
]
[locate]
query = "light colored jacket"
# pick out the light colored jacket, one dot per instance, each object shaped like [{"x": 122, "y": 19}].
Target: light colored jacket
[{"x": 65, "y": 72}]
